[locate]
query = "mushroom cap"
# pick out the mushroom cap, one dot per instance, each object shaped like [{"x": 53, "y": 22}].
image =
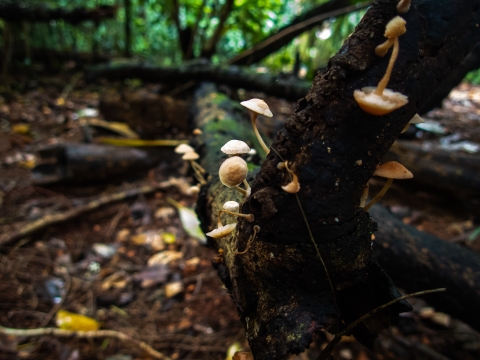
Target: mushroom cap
[
  {"x": 403, "y": 6},
  {"x": 232, "y": 206},
  {"x": 257, "y": 105},
  {"x": 184, "y": 148},
  {"x": 292, "y": 187},
  {"x": 393, "y": 170},
  {"x": 379, "y": 104},
  {"x": 222, "y": 231},
  {"x": 416, "y": 119},
  {"x": 233, "y": 171},
  {"x": 395, "y": 27},
  {"x": 191, "y": 155},
  {"x": 234, "y": 147}
]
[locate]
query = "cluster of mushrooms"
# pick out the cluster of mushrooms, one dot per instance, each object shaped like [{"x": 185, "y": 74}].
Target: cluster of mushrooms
[{"x": 374, "y": 100}]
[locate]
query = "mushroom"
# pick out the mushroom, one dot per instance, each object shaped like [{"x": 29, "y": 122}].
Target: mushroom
[
  {"x": 242, "y": 355},
  {"x": 293, "y": 186},
  {"x": 233, "y": 172},
  {"x": 222, "y": 231},
  {"x": 390, "y": 170},
  {"x": 258, "y": 106},
  {"x": 192, "y": 156},
  {"x": 183, "y": 148},
  {"x": 232, "y": 208},
  {"x": 381, "y": 101},
  {"x": 235, "y": 147},
  {"x": 417, "y": 119},
  {"x": 403, "y": 6}
]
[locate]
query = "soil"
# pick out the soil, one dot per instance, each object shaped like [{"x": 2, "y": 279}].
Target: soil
[{"x": 96, "y": 265}]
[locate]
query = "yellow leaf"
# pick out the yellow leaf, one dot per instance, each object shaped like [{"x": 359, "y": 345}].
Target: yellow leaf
[
  {"x": 76, "y": 322},
  {"x": 118, "y": 127},
  {"x": 22, "y": 129},
  {"x": 60, "y": 101}
]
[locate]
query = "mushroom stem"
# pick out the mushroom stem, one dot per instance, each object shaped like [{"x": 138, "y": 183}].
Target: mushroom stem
[
  {"x": 219, "y": 222},
  {"x": 248, "y": 217},
  {"x": 379, "y": 195},
  {"x": 247, "y": 187},
  {"x": 198, "y": 166},
  {"x": 381, "y": 50},
  {"x": 256, "y": 229},
  {"x": 244, "y": 192},
  {"x": 363, "y": 199},
  {"x": 383, "y": 83},
  {"x": 257, "y": 134},
  {"x": 198, "y": 172}
]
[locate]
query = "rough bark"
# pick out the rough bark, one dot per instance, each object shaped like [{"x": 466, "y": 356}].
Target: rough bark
[
  {"x": 279, "y": 285},
  {"x": 16, "y": 12},
  {"x": 471, "y": 62},
  {"x": 232, "y": 75},
  {"x": 418, "y": 261},
  {"x": 299, "y": 25}
]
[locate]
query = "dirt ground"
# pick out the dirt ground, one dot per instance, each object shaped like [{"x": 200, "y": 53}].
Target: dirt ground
[{"x": 132, "y": 267}]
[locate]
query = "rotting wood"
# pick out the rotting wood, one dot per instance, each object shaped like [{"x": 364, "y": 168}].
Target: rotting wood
[
  {"x": 234, "y": 76},
  {"x": 416, "y": 260},
  {"x": 279, "y": 285}
]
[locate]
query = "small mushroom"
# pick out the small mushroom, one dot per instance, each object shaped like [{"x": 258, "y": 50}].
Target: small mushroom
[
  {"x": 390, "y": 170},
  {"x": 184, "y": 148},
  {"x": 235, "y": 147},
  {"x": 293, "y": 186},
  {"x": 232, "y": 208},
  {"x": 233, "y": 172},
  {"x": 403, "y": 6},
  {"x": 222, "y": 231},
  {"x": 192, "y": 156},
  {"x": 417, "y": 119},
  {"x": 256, "y": 107},
  {"x": 381, "y": 101},
  {"x": 242, "y": 355}
]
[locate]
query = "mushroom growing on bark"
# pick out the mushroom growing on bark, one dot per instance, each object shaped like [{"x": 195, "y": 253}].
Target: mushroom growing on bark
[
  {"x": 379, "y": 100},
  {"x": 293, "y": 186},
  {"x": 232, "y": 208},
  {"x": 233, "y": 172},
  {"x": 192, "y": 156},
  {"x": 235, "y": 147},
  {"x": 256, "y": 107},
  {"x": 390, "y": 170},
  {"x": 403, "y": 6}
]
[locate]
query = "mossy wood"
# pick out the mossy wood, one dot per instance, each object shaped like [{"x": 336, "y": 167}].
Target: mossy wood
[{"x": 279, "y": 284}]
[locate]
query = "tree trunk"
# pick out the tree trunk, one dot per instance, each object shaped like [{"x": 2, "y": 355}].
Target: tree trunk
[
  {"x": 232, "y": 75},
  {"x": 128, "y": 28},
  {"x": 299, "y": 25},
  {"x": 17, "y": 12},
  {"x": 279, "y": 284}
]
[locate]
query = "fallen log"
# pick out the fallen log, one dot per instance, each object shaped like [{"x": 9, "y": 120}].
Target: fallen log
[
  {"x": 229, "y": 75},
  {"x": 280, "y": 285},
  {"x": 453, "y": 171},
  {"x": 298, "y": 26},
  {"x": 416, "y": 261},
  {"x": 16, "y": 12},
  {"x": 89, "y": 163}
]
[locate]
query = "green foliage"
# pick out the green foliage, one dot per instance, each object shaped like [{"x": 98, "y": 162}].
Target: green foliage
[
  {"x": 155, "y": 35},
  {"x": 473, "y": 77}
]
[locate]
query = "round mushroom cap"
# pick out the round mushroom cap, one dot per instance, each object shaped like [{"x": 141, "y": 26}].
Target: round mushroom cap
[
  {"x": 233, "y": 171},
  {"x": 191, "y": 155},
  {"x": 184, "y": 148},
  {"x": 234, "y": 147},
  {"x": 222, "y": 231},
  {"x": 379, "y": 105},
  {"x": 242, "y": 355},
  {"x": 393, "y": 170},
  {"x": 257, "y": 105},
  {"x": 395, "y": 27},
  {"x": 232, "y": 206}
]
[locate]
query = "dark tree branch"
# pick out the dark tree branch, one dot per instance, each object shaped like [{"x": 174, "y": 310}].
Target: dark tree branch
[
  {"x": 209, "y": 48},
  {"x": 14, "y": 12},
  {"x": 279, "y": 285},
  {"x": 299, "y": 25},
  {"x": 233, "y": 75}
]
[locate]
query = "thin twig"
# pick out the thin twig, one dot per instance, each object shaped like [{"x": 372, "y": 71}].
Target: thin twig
[
  {"x": 326, "y": 352},
  {"x": 54, "y": 219},
  {"x": 83, "y": 335}
]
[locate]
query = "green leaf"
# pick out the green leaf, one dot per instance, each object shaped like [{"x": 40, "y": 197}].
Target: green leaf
[
  {"x": 189, "y": 220},
  {"x": 474, "y": 234}
]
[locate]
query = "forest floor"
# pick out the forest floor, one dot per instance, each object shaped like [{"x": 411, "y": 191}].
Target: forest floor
[{"x": 131, "y": 265}]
